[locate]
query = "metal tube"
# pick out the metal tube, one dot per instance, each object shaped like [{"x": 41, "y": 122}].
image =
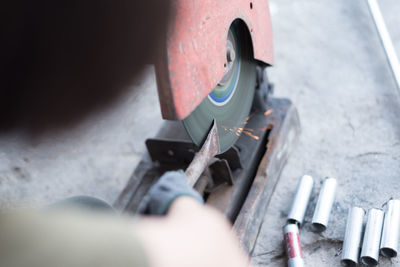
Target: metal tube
[
  {"x": 372, "y": 237},
  {"x": 293, "y": 247},
  {"x": 390, "y": 233},
  {"x": 201, "y": 159},
  {"x": 385, "y": 40},
  {"x": 201, "y": 184},
  {"x": 300, "y": 201},
  {"x": 324, "y": 205},
  {"x": 352, "y": 237}
]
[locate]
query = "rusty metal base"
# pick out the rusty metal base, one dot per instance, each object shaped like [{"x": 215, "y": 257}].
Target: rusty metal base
[{"x": 249, "y": 171}]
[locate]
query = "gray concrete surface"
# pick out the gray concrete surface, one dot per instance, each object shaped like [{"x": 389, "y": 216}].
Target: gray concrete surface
[
  {"x": 95, "y": 158},
  {"x": 328, "y": 61}
]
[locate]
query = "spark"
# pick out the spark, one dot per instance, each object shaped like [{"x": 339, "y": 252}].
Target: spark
[
  {"x": 255, "y": 137},
  {"x": 248, "y": 118},
  {"x": 269, "y": 111},
  {"x": 269, "y": 127},
  {"x": 248, "y": 131}
]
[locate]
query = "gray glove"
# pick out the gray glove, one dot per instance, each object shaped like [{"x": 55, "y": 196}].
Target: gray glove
[{"x": 169, "y": 187}]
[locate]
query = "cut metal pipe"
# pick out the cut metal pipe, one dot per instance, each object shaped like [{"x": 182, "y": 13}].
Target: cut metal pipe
[
  {"x": 352, "y": 237},
  {"x": 390, "y": 232},
  {"x": 324, "y": 205},
  {"x": 372, "y": 237},
  {"x": 300, "y": 201},
  {"x": 293, "y": 247}
]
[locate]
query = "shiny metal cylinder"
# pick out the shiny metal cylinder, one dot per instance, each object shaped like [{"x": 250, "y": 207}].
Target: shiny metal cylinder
[
  {"x": 390, "y": 232},
  {"x": 324, "y": 205},
  {"x": 293, "y": 247},
  {"x": 386, "y": 40},
  {"x": 300, "y": 200},
  {"x": 372, "y": 237},
  {"x": 352, "y": 237}
]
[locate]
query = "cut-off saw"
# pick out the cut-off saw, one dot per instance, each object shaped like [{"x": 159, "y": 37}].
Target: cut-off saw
[{"x": 221, "y": 127}]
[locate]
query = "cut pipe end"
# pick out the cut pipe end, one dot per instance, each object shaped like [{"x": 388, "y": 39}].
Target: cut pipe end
[
  {"x": 366, "y": 260},
  {"x": 388, "y": 252},
  {"x": 293, "y": 221},
  {"x": 318, "y": 227},
  {"x": 348, "y": 263}
]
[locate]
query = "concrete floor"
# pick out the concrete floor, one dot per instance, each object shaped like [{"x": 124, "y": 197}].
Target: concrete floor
[
  {"x": 95, "y": 158},
  {"x": 328, "y": 61}
]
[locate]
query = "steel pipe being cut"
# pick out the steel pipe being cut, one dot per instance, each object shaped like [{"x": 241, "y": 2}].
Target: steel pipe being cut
[
  {"x": 324, "y": 205},
  {"x": 352, "y": 237},
  {"x": 300, "y": 201},
  {"x": 390, "y": 232},
  {"x": 372, "y": 237},
  {"x": 293, "y": 247}
]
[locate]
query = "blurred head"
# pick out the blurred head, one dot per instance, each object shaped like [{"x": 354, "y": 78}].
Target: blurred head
[{"x": 61, "y": 60}]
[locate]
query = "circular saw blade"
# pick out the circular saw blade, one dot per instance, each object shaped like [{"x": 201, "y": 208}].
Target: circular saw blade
[{"x": 230, "y": 101}]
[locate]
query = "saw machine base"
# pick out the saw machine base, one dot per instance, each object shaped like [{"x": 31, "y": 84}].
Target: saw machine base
[{"x": 239, "y": 182}]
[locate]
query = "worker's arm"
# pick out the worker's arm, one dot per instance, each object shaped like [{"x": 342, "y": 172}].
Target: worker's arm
[
  {"x": 190, "y": 235},
  {"x": 69, "y": 239},
  {"x": 187, "y": 233}
]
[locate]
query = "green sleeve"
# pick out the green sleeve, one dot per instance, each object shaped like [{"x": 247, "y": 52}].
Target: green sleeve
[{"x": 69, "y": 239}]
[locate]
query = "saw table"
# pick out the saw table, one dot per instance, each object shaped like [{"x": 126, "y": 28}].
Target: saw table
[{"x": 244, "y": 177}]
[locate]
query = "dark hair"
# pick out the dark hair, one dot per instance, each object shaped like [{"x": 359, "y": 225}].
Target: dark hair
[{"x": 61, "y": 60}]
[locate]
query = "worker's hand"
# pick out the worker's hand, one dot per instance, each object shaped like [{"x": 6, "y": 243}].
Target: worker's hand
[
  {"x": 191, "y": 235},
  {"x": 163, "y": 193}
]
